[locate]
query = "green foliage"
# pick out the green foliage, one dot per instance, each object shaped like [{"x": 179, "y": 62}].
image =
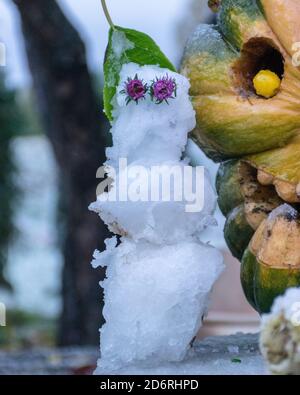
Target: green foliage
[
  {"x": 9, "y": 125},
  {"x": 31, "y": 124},
  {"x": 128, "y": 46},
  {"x": 236, "y": 360},
  {"x": 24, "y": 329}
]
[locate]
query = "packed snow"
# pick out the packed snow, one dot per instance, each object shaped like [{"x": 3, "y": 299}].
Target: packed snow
[
  {"x": 160, "y": 275},
  {"x": 120, "y": 43},
  {"x": 147, "y": 131},
  {"x": 211, "y": 356},
  {"x": 280, "y": 334},
  {"x": 158, "y": 221},
  {"x": 155, "y": 299},
  {"x": 285, "y": 210}
]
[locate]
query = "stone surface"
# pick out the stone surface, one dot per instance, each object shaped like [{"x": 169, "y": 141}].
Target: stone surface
[{"x": 71, "y": 361}]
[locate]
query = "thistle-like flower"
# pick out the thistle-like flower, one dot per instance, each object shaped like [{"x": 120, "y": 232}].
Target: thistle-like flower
[
  {"x": 134, "y": 89},
  {"x": 163, "y": 89}
]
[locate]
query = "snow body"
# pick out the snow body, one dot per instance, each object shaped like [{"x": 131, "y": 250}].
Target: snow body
[{"x": 159, "y": 278}]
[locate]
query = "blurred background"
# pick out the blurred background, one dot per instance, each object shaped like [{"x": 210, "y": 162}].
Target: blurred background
[{"x": 52, "y": 140}]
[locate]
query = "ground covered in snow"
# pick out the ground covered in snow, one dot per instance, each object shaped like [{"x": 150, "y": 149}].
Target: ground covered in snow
[
  {"x": 230, "y": 355},
  {"x": 224, "y": 355}
]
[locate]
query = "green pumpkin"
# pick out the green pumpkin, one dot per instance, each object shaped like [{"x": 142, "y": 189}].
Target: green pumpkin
[
  {"x": 268, "y": 266},
  {"x": 256, "y": 138},
  {"x": 237, "y": 232},
  {"x": 244, "y": 202},
  {"x": 232, "y": 120}
]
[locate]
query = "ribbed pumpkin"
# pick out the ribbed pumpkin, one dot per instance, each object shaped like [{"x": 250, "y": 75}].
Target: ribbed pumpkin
[{"x": 245, "y": 86}]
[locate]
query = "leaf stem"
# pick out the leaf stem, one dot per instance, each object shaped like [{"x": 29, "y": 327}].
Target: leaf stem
[{"x": 107, "y": 15}]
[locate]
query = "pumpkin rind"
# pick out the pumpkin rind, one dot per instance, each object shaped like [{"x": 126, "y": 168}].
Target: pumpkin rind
[
  {"x": 236, "y": 125},
  {"x": 232, "y": 120},
  {"x": 237, "y": 232},
  {"x": 262, "y": 284},
  {"x": 271, "y": 263}
]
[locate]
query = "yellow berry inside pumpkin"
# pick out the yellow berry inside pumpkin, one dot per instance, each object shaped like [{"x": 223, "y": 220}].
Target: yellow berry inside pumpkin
[{"x": 266, "y": 83}]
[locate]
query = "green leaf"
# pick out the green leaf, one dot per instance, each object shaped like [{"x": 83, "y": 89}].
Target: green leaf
[
  {"x": 236, "y": 360},
  {"x": 128, "y": 46}
]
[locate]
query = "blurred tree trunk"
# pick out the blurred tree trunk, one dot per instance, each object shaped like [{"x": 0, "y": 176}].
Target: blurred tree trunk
[{"x": 75, "y": 127}]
